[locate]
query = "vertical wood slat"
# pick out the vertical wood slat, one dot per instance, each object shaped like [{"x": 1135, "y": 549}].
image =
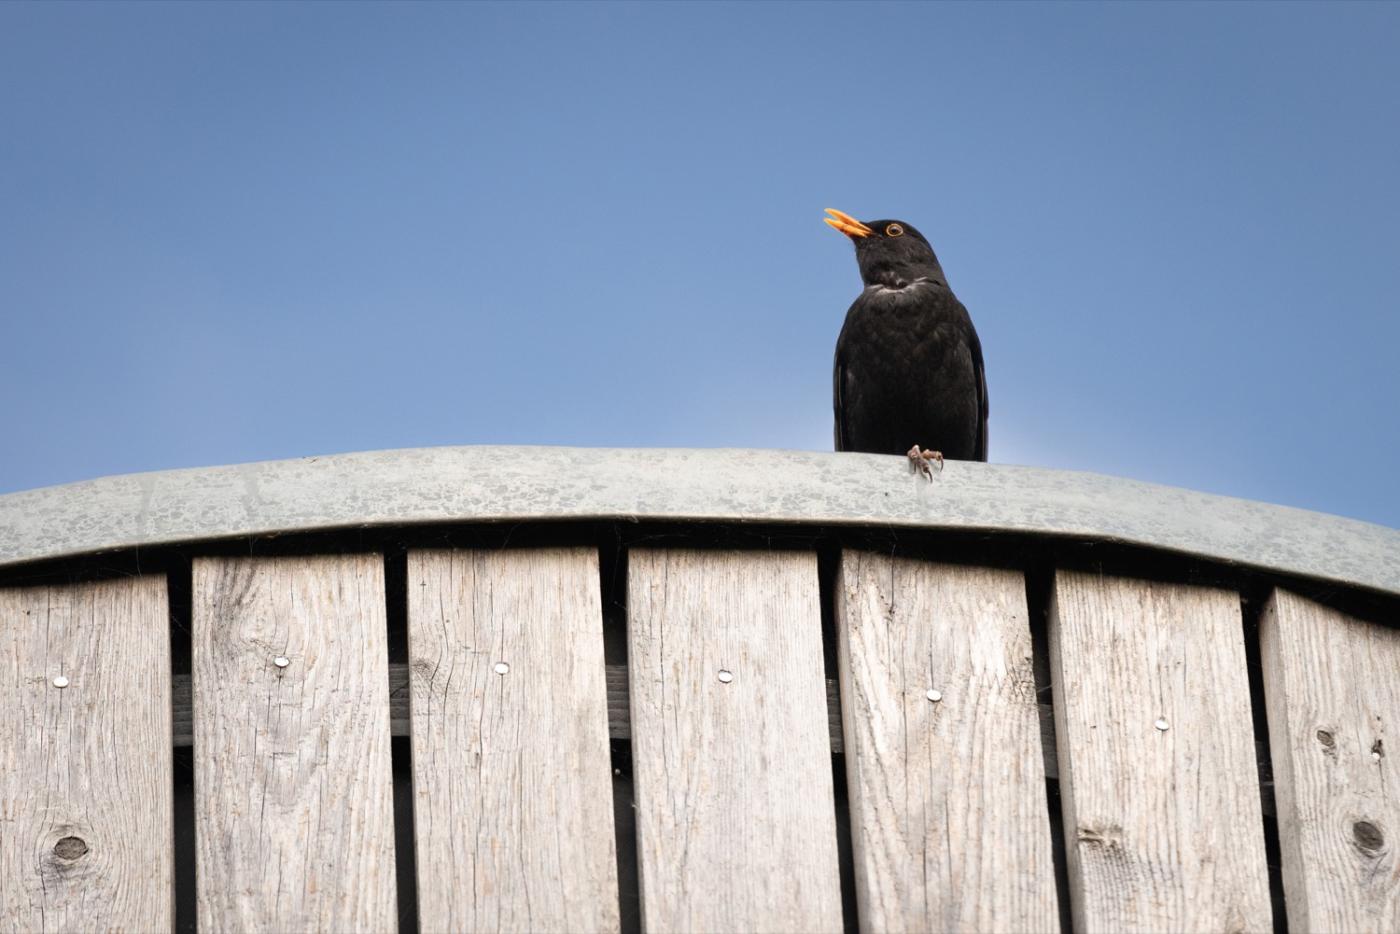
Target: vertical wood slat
[
  {"x": 293, "y": 813},
  {"x": 948, "y": 812},
  {"x": 735, "y": 816},
  {"x": 512, "y": 784},
  {"x": 85, "y": 770},
  {"x": 1162, "y": 826},
  {"x": 1332, "y": 685}
]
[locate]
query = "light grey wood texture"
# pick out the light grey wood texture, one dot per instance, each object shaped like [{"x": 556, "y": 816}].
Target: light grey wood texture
[
  {"x": 735, "y": 817},
  {"x": 293, "y": 816},
  {"x": 619, "y": 716},
  {"x": 512, "y": 776},
  {"x": 85, "y": 770},
  {"x": 492, "y": 484},
  {"x": 948, "y": 814},
  {"x": 1332, "y": 685},
  {"x": 1163, "y": 830}
]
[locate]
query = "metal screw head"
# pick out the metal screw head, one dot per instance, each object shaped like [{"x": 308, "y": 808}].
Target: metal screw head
[
  {"x": 501, "y": 668},
  {"x": 1162, "y": 724},
  {"x": 725, "y": 676},
  {"x": 60, "y": 682},
  {"x": 934, "y": 696},
  {"x": 281, "y": 661}
]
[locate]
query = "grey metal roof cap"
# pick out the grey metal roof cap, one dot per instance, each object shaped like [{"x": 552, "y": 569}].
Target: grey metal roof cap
[{"x": 481, "y": 484}]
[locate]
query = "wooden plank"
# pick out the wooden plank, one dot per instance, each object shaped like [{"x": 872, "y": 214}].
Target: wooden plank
[
  {"x": 949, "y": 822},
  {"x": 735, "y": 815},
  {"x": 818, "y": 490},
  {"x": 293, "y": 814},
  {"x": 1158, "y": 781},
  {"x": 512, "y": 773},
  {"x": 619, "y": 715},
  {"x": 1332, "y": 685},
  {"x": 85, "y": 769}
]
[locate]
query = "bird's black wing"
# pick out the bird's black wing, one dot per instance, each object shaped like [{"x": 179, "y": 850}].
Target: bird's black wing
[
  {"x": 843, "y": 401},
  {"x": 838, "y": 378},
  {"x": 840, "y": 400},
  {"x": 982, "y": 407}
]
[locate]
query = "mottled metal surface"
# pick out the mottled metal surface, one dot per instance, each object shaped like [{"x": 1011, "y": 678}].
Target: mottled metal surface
[{"x": 474, "y": 484}]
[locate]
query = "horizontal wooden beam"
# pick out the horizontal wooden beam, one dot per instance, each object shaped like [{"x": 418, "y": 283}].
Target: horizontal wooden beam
[
  {"x": 385, "y": 489},
  {"x": 619, "y": 714}
]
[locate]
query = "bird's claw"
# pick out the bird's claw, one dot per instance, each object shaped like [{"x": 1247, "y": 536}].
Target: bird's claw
[{"x": 921, "y": 460}]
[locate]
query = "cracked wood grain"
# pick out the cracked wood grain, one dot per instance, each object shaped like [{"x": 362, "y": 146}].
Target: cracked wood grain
[
  {"x": 1332, "y": 684},
  {"x": 948, "y": 813},
  {"x": 1163, "y": 830},
  {"x": 85, "y": 770},
  {"x": 513, "y": 809},
  {"x": 293, "y": 814},
  {"x": 735, "y": 815}
]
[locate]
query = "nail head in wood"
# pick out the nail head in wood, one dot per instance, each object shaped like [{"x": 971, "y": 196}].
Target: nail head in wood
[
  {"x": 725, "y": 676},
  {"x": 502, "y": 668},
  {"x": 281, "y": 661}
]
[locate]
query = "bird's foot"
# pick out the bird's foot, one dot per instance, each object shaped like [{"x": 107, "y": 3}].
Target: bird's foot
[{"x": 922, "y": 461}]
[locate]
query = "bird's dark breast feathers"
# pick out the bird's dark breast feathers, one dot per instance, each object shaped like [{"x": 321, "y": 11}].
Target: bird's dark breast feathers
[{"x": 908, "y": 372}]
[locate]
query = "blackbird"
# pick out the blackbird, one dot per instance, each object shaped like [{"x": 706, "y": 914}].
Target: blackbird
[{"x": 908, "y": 361}]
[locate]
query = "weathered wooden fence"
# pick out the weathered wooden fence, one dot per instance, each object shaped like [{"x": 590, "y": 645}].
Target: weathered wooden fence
[{"x": 835, "y": 695}]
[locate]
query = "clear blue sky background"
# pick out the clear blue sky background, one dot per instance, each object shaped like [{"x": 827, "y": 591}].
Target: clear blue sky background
[{"x": 240, "y": 232}]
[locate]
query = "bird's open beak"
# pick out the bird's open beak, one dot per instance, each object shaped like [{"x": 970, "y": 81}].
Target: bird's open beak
[{"x": 847, "y": 224}]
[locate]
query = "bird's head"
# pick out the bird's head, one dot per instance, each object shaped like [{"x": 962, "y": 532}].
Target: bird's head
[{"x": 889, "y": 252}]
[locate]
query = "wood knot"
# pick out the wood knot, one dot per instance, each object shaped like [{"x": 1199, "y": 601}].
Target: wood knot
[
  {"x": 1329, "y": 744},
  {"x": 70, "y": 848},
  {"x": 1378, "y": 750},
  {"x": 1368, "y": 837}
]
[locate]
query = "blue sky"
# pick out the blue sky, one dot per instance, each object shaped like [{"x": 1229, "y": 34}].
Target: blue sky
[{"x": 242, "y": 232}]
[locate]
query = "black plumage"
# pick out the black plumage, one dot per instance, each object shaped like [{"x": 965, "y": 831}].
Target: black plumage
[{"x": 908, "y": 362}]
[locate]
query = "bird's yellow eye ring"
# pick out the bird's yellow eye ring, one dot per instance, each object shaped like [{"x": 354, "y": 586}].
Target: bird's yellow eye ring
[{"x": 894, "y": 230}]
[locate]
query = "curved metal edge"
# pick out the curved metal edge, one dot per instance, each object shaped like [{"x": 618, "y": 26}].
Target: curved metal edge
[{"x": 483, "y": 484}]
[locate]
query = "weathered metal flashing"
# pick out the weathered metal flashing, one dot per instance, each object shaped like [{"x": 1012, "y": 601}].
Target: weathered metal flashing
[{"x": 488, "y": 484}]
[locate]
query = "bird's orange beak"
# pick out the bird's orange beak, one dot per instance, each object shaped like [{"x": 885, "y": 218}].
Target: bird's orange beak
[{"x": 847, "y": 224}]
